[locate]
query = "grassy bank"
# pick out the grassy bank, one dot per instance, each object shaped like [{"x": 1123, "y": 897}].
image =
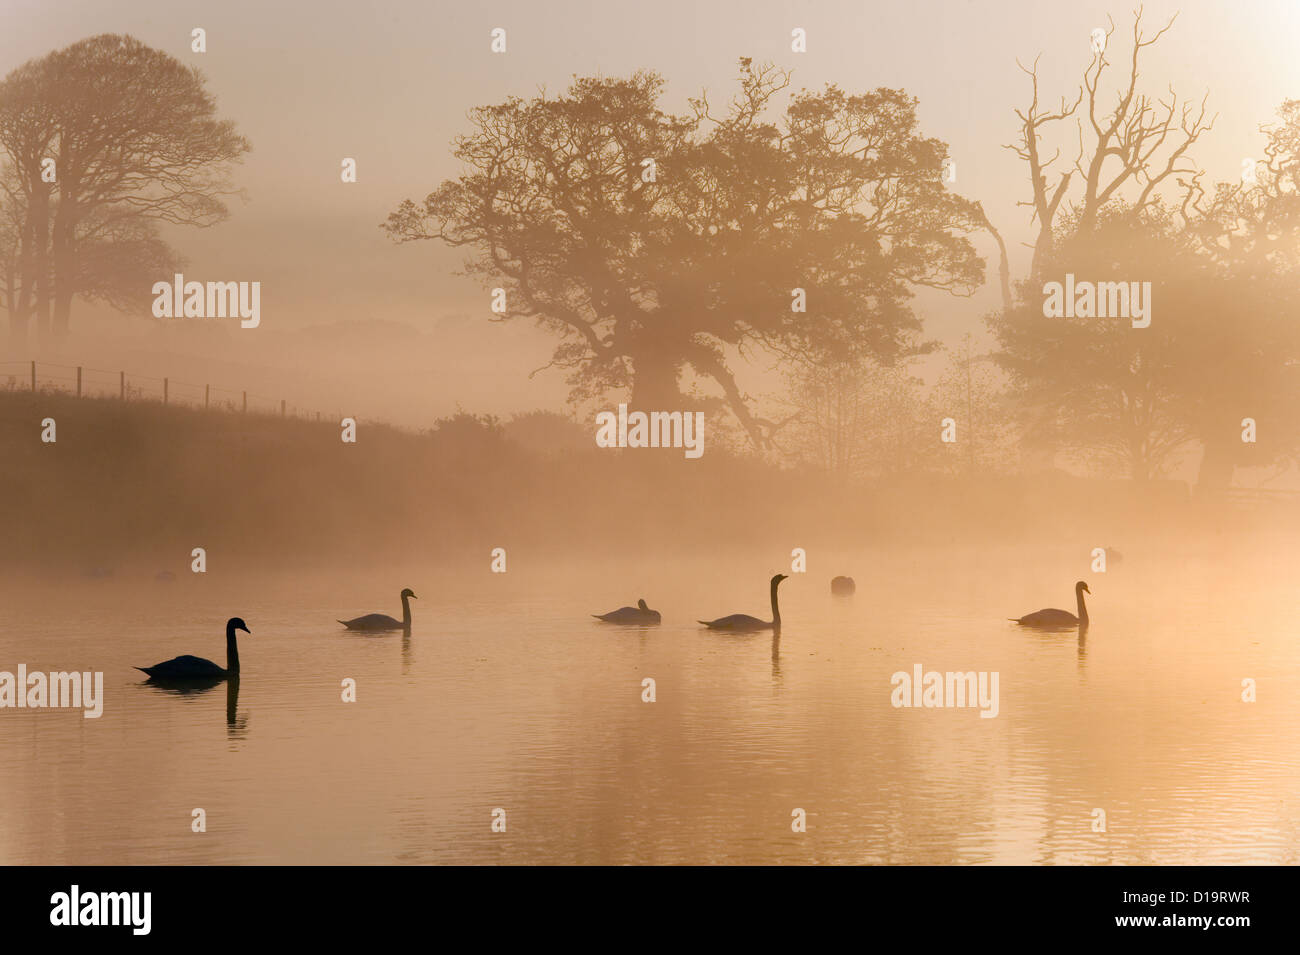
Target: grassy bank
[{"x": 140, "y": 484}]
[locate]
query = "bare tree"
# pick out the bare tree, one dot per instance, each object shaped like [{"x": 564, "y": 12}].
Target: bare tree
[
  {"x": 858, "y": 418},
  {"x": 1127, "y": 151},
  {"x": 1091, "y": 386}
]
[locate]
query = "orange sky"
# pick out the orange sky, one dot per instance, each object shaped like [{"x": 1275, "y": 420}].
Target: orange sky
[{"x": 389, "y": 84}]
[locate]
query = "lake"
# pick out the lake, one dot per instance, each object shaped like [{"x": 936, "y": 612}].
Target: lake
[{"x": 507, "y": 695}]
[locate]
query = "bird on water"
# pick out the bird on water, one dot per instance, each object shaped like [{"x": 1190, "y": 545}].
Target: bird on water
[
  {"x": 638, "y": 614},
  {"x": 196, "y": 668},
  {"x": 381, "y": 621},
  {"x": 1053, "y": 619},
  {"x": 744, "y": 623}
]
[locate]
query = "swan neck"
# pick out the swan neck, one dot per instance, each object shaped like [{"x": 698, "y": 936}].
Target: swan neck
[
  {"x": 232, "y": 651},
  {"x": 1083, "y": 610},
  {"x": 406, "y": 612},
  {"x": 776, "y": 610}
]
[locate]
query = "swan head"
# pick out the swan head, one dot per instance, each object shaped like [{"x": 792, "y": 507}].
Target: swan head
[
  {"x": 641, "y": 604},
  {"x": 237, "y": 623},
  {"x": 1081, "y": 586},
  {"x": 778, "y": 578},
  {"x": 408, "y": 592}
]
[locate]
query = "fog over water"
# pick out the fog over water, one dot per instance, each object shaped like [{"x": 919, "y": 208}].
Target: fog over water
[{"x": 507, "y": 695}]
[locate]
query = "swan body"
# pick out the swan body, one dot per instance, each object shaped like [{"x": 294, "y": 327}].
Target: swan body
[
  {"x": 638, "y": 614},
  {"x": 197, "y": 668},
  {"x": 381, "y": 621},
  {"x": 843, "y": 586},
  {"x": 1053, "y": 619},
  {"x": 744, "y": 623}
]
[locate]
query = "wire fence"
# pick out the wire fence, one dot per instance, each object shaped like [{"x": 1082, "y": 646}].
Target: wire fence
[
  {"x": 1257, "y": 496},
  {"x": 85, "y": 382}
]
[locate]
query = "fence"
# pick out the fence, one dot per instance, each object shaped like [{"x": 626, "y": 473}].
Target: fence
[
  {"x": 83, "y": 381},
  {"x": 1255, "y": 496}
]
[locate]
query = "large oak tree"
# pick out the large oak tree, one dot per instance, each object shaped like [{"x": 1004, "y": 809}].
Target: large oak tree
[{"x": 653, "y": 243}]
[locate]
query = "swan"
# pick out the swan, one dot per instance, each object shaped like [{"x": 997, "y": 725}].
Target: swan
[
  {"x": 743, "y": 622},
  {"x": 1051, "y": 617},
  {"x": 638, "y": 614},
  {"x": 197, "y": 668},
  {"x": 381, "y": 621},
  {"x": 843, "y": 585}
]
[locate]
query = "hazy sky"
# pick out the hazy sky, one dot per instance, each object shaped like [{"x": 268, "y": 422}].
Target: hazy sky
[{"x": 390, "y": 83}]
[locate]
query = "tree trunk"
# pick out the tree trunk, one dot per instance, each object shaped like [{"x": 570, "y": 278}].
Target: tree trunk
[
  {"x": 16, "y": 306},
  {"x": 65, "y": 267},
  {"x": 1215, "y": 473},
  {"x": 1139, "y": 460},
  {"x": 654, "y": 386},
  {"x": 40, "y": 259},
  {"x": 18, "y": 330}
]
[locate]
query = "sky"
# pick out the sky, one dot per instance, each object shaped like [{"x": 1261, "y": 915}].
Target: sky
[{"x": 390, "y": 84}]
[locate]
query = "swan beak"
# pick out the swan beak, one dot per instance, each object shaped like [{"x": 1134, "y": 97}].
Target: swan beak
[
  {"x": 246, "y": 630},
  {"x": 1086, "y": 590},
  {"x": 413, "y": 597}
]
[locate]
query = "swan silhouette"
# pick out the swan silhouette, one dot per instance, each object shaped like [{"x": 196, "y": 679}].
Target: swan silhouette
[
  {"x": 744, "y": 623},
  {"x": 381, "y": 621},
  {"x": 843, "y": 586},
  {"x": 1053, "y": 619},
  {"x": 638, "y": 614},
  {"x": 197, "y": 668}
]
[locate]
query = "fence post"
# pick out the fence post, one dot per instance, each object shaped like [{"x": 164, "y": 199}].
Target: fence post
[
  {"x": 164, "y": 391},
  {"x": 123, "y": 386},
  {"x": 78, "y": 381},
  {"x": 245, "y": 402},
  {"x": 206, "y": 389},
  {"x": 33, "y": 374}
]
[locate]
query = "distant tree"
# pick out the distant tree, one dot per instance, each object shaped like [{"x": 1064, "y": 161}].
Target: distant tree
[
  {"x": 135, "y": 141},
  {"x": 1130, "y": 209},
  {"x": 1097, "y": 388},
  {"x": 973, "y": 392},
  {"x": 645, "y": 271},
  {"x": 1129, "y": 152},
  {"x": 15, "y": 248},
  {"x": 119, "y": 258},
  {"x": 858, "y": 418},
  {"x": 1249, "y": 231}
]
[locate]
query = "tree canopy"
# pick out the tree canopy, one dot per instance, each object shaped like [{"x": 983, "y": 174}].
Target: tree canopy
[
  {"x": 652, "y": 242},
  {"x": 134, "y": 140}
]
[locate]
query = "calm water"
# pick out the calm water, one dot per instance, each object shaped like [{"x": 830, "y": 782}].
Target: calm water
[{"x": 508, "y": 696}]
